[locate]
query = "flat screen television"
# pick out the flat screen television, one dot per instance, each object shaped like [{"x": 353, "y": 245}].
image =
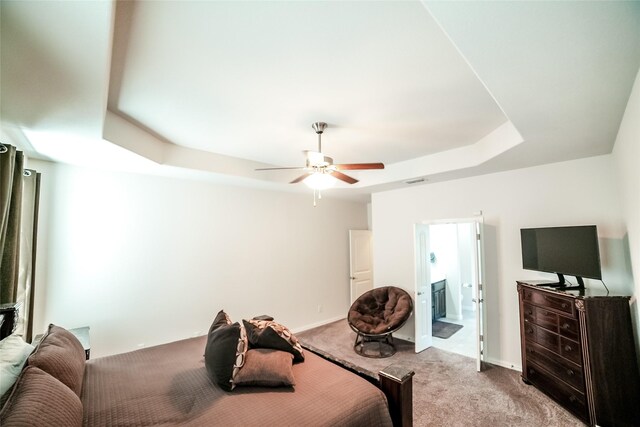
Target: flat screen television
[{"x": 573, "y": 251}]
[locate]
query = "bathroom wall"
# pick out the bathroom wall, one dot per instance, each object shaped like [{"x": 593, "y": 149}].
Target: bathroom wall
[
  {"x": 444, "y": 243},
  {"x": 466, "y": 238}
]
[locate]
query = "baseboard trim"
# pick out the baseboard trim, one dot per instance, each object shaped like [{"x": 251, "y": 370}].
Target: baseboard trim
[
  {"x": 503, "y": 364},
  {"x": 403, "y": 337},
  {"x": 317, "y": 324}
]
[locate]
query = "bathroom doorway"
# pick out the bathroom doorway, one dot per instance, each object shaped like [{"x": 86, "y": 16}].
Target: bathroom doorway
[{"x": 448, "y": 272}]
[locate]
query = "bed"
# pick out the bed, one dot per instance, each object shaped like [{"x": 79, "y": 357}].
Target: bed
[{"x": 169, "y": 385}]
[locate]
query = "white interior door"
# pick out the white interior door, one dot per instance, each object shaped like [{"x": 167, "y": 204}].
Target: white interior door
[
  {"x": 422, "y": 309},
  {"x": 361, "y": 262},
  {"x": 479, "y": 293}
]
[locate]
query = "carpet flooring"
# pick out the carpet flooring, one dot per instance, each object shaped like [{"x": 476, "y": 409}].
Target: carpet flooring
[
  {"x": 444, "y": 329},
  {"x": 447, "y": 390}
]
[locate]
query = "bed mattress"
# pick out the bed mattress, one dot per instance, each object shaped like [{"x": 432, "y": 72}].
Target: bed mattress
[{"x": 168, "y": 385}]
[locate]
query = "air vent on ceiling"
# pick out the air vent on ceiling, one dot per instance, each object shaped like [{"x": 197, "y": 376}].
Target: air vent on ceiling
[{"x": 415, "y": 181}]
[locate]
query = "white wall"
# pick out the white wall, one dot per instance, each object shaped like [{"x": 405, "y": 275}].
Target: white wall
[
  {"x": 569, "y": 193},
  {"x": 444, "y": 243},
  {"x": 626, "y": 154},
  {"x": 147, "y": 259}
]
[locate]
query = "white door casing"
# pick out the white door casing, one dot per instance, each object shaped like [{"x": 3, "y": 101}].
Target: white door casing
[
  {"x": 422, "y": 297},
  {"x": 422, "y": 309},
  {"x": 361, "y": 262},
  {"x": 479, "y": 292}
]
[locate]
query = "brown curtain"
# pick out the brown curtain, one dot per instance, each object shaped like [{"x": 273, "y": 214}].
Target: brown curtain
[{"x": 19, "y": 195}]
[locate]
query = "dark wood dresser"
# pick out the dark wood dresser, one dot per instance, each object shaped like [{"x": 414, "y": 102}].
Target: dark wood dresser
[{"x": 578, "y": 348}]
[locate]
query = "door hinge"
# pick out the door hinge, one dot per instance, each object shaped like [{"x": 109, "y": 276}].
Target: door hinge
[
  {"x": 477, "y": 236},
  {"x": 479, "y": 286},
  {"x": 481, "y": 337}
]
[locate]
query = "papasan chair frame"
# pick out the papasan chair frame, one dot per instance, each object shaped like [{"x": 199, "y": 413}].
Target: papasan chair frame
[{"x": 375, "y": 315}]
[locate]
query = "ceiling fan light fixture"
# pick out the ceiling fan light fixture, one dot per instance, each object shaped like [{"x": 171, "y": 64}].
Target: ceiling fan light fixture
[
  {"x": 320, "y": 181},
  {"x": 317, "y": 159}
]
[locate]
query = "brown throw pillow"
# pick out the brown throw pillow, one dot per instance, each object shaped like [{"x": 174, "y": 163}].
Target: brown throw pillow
[
  {"x": 266, "y": 368},
  {"x": 61, "y": 355},
  {"x": 40, "y": 400},
  {"x": 225, "y": 351},
  {"x": 270, "y": 334}
]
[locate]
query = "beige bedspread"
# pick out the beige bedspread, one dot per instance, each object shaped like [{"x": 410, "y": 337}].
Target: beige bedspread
[{"x": 168, "y": 385}]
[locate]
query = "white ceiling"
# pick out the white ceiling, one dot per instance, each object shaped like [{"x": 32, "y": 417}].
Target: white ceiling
[{"x": 436, "y": 89}]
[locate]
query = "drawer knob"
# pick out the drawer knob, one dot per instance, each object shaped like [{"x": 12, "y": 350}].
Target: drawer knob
[
  {"x": 565, "y": 326},
  {"x": 567, "y": 348},
  {"x": 530, "y": 312},
  {"x": 532, "y": 371},
  {"x": 565, "y": 305},
  {"x": 529, "y": 331},
  {"x": 570, "y": 372},
  {"x": 530, "y": 350},
  {"x": 572, "y": 398}
]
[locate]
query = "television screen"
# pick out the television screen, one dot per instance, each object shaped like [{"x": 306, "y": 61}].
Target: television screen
[{"x": 563, "y": 250}]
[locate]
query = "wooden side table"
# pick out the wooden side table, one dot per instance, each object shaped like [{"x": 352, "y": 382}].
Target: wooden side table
[{"x": 81, "y": 333}]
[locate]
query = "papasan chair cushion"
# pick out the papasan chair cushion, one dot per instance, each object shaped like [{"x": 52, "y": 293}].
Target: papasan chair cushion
[{"x": 375, "y": 315}]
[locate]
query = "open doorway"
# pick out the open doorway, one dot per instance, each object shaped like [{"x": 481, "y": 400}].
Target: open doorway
[
  {"x": 449, "y": 312},
  {"x": 453, "y": 287}
]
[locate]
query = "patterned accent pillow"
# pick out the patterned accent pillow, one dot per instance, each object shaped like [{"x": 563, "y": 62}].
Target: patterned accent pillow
[
  {"x": 270, "y": 334},
  {"x": 225, "y": 352}
]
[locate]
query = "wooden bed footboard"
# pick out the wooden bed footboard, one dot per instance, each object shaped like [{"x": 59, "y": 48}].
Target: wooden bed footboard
[{"x": 395, "y": 381}]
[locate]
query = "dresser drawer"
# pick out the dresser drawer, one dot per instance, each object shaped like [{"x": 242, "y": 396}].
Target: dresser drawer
[
  {"x": 547, "y": 319},
  {"x": 571, "y": 350},
  {"x": 569, "y": 328},
  {"x": 529, "y": 313},
  {"x": 564, "y": 369},
  {"x": 543, "y": 337},
  {"x": 565, "y": 395},
  {"x": 546, "y": 300}
]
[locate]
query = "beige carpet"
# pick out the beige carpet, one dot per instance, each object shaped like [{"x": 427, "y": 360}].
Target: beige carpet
[{"x": 447, "y": 390}]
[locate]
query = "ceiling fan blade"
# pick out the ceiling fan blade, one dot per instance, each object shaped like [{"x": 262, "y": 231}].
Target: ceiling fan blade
[
  {"x": 300, "y": 178},
  {"x": 277, "y": 169},
  {"x": 359, "y": 166},
  {"x": 343, "y": 177}
]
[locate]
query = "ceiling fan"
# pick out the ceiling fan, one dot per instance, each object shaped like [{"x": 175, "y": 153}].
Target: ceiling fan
[{"x": 320, "y": 170}]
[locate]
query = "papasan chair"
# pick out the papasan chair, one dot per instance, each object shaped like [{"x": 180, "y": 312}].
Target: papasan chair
[{"x": 375, "y": 315}]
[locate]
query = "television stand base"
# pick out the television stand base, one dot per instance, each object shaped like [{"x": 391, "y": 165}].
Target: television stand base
[
  {"x": 569, "y": 288},
  {"x": 563, "y": 285}
]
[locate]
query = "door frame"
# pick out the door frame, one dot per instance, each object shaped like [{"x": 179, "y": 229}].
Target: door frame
[
  {"x": 422, "y": 268},
  {"x": 481, "y": 337},
  {"x": 356, "y": 277}
]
